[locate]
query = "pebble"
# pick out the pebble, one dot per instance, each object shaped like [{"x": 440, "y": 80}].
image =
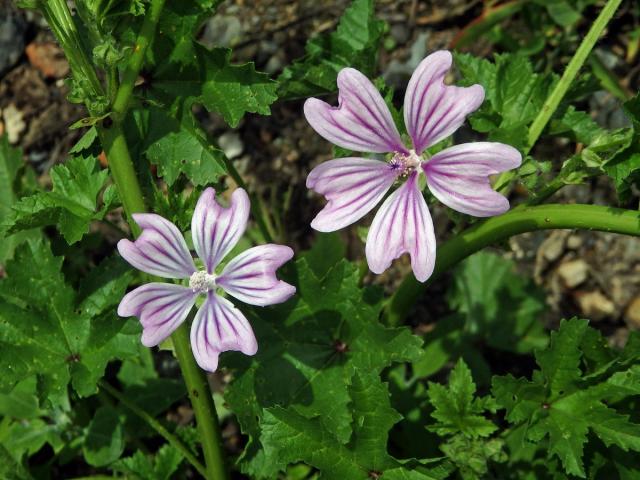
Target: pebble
[
  {"x": 632, "y": 313},
  {"x": 594, "y": 305},
  {"x": 48, "y": 58},
  {"x": 573, "y": 273},
  {"x": 13, "y": 123}
]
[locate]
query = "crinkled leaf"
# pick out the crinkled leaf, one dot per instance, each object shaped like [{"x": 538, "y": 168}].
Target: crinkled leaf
[
  {"x": 309, "y": 349},
  {"x": 354, "y": 43},
  {"x": 564, "y": 402},
  {"x": 456, "y": 409},
  {"x": 47, "y": 332},
  {"x": 71, "y": 205},
  {"x": 180, "y": 146},
  {"x": 161, "y": 466},
  {"x": 211, "y": 79}
]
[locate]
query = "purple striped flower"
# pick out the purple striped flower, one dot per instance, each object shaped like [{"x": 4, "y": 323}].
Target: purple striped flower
[
  {"x": 457, "y": 176},
  {"x": 250, "y": 277}
]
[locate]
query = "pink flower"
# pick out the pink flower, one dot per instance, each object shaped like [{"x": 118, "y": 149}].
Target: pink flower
[
  {"x": 457, "y": 176},
  {"x": 250, "y": 277}
]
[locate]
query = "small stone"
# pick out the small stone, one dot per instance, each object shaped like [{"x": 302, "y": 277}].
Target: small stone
[
  {"x": 12, "y": 29},
  {"x": 553, "y": 246},
  {"x": 594, "y": 305},
  {"x": 632, "y": 314},
  {"x": 231, "y": 144},
  {"x": 13, "y": 123},
  {"x": 48, "y": 58},
  {"x": 573, "y": 273},
  {"x": 574, "y": 242}
]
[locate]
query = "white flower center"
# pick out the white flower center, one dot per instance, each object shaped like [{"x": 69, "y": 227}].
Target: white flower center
[
  {"x": 201, "y": 282},
  {"x": 406, "y": 164}
]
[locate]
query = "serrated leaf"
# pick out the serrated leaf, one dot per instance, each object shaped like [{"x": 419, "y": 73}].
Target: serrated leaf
[
  {"x": 310, "y": 347},
  {"x": 354, "y": 43},
  {"x": 161, "y": 466},
  {"x": 456, "y": 409},
  {"x": 180, "y": 146},
  {"x": 46, "y": 333},
  {"x": 71, "y": 205},
  {"x": 563, "y": 404},
  {"x": 288, "y": 437},
  {"x": 211, "y": 79}
]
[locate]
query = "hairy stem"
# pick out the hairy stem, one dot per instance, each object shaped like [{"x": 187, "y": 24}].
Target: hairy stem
[
  {"x": 145, "y": 38},
  {"x": 570, "y": 73},
  {"x": 497, "y": 229},
  {"x": 203, "y": 406},
  {"x": 172, "y": 439},
  {"x": 126, "y": 181}
]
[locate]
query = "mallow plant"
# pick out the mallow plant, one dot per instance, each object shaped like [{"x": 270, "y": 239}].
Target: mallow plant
[{"x": 300, "y": 349}]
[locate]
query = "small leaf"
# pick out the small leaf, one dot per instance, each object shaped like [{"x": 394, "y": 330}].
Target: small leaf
[{"x": 105, "y": 438}]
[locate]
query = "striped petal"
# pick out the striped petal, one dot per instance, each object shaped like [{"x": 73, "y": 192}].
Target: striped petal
[
  {"x": 353, "y": 186},
  {"x": 403, "y": 225},
  {"x": 251, "y": 276},
  {"x": 219, "y": 327},
  {"x": 433, "y": 110},
  {"x": 459, "y": 176},
  {"x": 215, "y": 229},
  {"x": 361, "y": 122},
  {"x": 161, "y": 308},
  {"x": 160, "y": 249}
]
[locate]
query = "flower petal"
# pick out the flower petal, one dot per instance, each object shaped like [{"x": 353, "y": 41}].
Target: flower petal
[
  {"x": 160, "y": 249},
  {"x": 215, "y": 229},
  {"x": 161, "y": 308},
  {"x": 458, "y": 176},
  {"x": 219, "y": 327},
  {"x": 361, "y": 122},
  {"x": 353, "y": 186},
  {"x": 251, "y": 276},
  {"x": 433, "y": 110},
  {"x": 403, "y": 224}
]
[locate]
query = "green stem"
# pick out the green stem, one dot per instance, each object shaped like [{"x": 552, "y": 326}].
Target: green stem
[
  {"x": 570, "y": 73},
  {"x": 132, "y": 70},
  {"x": 172, "y": 439},
  {"x": 497, "y": 229},
  {"x": 123, "y": 172},
  {"x": 553, "y": 100},
  {"x": 203, "y": 406}
]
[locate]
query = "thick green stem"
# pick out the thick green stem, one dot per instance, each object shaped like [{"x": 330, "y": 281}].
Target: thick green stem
[
  {"x": 203, "y": 406},
  {"x": 131, "y": 72},
  {"x": 570, "y": 73},
  {"x": 156, "y": 425},
  {"x": 123, "y": 172},
  {"x": 497, "y": 229}
]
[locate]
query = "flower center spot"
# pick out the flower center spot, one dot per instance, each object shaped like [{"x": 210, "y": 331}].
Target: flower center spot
[
  {"x": 201, "y": 282},
  {"x": 405, "y": 163}
]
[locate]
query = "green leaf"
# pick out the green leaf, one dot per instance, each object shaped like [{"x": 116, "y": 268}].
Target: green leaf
[
  {"x": 105, "y": 438},
  {"x": 180, "y": 146},
  {"x": 456, "y": 409},
  {"x": 10, "y": 164},
  {"x": 624, "y": 167},
  {"x": 472, "y": 456},
  {"x": 563, "y": 402},
  {"x": 289, "y": 437},
  {"x": 354, "y": 43},
  {"x": 161, "y": 466},
  {"x": 71, "y": 205},
  {"x": 211, "y": 79},
  {"x": 310, "y": 347},
  {"x": 494, "y": 305},
  {"x": 514, "y": 94},
  {"x": 47, "y": 332}
]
